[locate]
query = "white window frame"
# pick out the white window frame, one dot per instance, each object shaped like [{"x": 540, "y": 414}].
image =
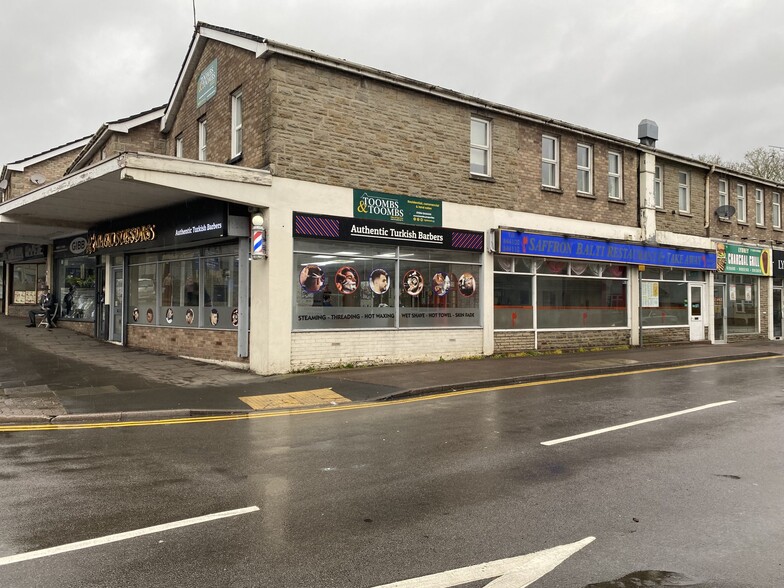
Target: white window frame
[
  {"x": 684, "y": 191},
  {"x": 614, "y": 176},
  {"x": 481, "y": 145},
  {"x": 775, "y": 210},
  {"x": 658, "y": 187},
  {"x": 551, "y": 163},
  {"x": 203, "y": 139},
  {"x": 740, "y": 195},
  {"x": 724, "y": 195},
  {"x": 759, "y": 207},
  {"x": 179, "y": 149},
  {"x": 236, "y": 123},
  {"x": 585, "y": 170}
]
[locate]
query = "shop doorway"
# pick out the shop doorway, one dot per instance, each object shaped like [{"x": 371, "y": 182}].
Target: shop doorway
[
  {"x": 116, "y": 322},
  {"x": 696, "y": 322},
  {"x": 777, "y": 313},
  {"x": 719, "y": 313}
]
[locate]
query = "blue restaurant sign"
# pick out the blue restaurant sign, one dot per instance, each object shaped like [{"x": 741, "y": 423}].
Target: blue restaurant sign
[{"x": 512, "y": 242}]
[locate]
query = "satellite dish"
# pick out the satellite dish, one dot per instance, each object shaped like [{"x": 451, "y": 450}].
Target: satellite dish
[
  {"x": 725, "y": 211},
  {"x": 3, "y": 184},
  {"x": 37, "y": 179}
]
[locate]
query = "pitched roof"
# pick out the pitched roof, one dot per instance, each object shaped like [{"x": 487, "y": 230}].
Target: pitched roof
[{"x": 122, "y": 125}]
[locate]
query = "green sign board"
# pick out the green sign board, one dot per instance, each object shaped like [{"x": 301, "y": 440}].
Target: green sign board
[
  {"x": 410, "y": 210},
  {"x": 737, "y": 259},
  {"x": 207, "y": 84}
]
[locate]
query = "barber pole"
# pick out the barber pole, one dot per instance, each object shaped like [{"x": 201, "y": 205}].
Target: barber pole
[{"x": 259, "y": 244}]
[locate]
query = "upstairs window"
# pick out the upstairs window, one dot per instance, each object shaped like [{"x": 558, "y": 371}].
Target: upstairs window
[
  {"x": 178, "y": 146},
  {"x": 759, "y": 207},
  {"x": 684, "y": 197},
  {"x": 480, "y": 146},
  {"x": 724, "y": 198},
  {"x": 614, "y": 184},
  {"x": 203, "y": 139},
  {"x": 236, "y": 124},
  {"x": 658, "y": 185},
  {"x": 584, "y": 169},
  {"x": 740, "y": 191},
  {"x": 550, "y": 152},
  {"x": 775, "y": 210}
]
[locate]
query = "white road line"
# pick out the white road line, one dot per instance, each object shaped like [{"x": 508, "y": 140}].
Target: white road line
[
  {"x": 123, "y": 536},
  {"x": 514, "y": 572},
  {"x": 635, "y": 423}
]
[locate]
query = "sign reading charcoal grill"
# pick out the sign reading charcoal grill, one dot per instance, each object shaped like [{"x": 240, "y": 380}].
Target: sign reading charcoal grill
[{"x": 369, "y": 231}]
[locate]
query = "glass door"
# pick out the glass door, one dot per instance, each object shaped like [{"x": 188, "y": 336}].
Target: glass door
[
  {"x": 777, "y": 313},
  {"x": 116, "y": 324},
  {"x": 696, "y": 323},
  {"x": 719, "y": 313}
]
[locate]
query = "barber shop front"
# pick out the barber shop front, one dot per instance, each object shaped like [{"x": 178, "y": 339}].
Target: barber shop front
[
  {"x": 559, "y": 291},
  {"x": 366, "y": 290},
  {"x": 175, "y": 279}
]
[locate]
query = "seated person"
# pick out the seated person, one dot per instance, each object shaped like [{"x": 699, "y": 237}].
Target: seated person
[{"x": 48, "y": 309}]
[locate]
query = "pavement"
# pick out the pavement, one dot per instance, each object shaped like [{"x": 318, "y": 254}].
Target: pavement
[{"x": 57, "y": 376}]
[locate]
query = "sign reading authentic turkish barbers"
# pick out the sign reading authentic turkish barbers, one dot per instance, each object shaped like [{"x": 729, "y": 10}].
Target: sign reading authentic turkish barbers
[
  {"x": 370, "y": 231},
  {"x": 207, "y": 84},
  {"x": 410, "y": 210},
  {"x": 738, "y": 259},
  {"x": 523, "y": 243}
]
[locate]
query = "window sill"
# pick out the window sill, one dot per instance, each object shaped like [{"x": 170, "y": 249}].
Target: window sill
[
  {"x": 761, "y": 226},
  {"x": 235, "y": 159},
  {"x": 552, "y": 190},
  {"x": 725, "y": 219},
  {"x": 682, "y": 213},
  {"x": 586, "y": 195},
  {"x": 660, "y": 210},
  {"x": 743, "y": 223},
  {"x": 616, "y": 200},
  {"x": 481, "y": 178},
  {"x": 778, "y": 229}
]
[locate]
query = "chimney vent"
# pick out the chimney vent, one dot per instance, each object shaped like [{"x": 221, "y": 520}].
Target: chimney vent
[{"x": 648, "y": 132}]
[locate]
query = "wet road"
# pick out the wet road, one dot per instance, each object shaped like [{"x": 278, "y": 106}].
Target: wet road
[{"x": 365, "y": 497}]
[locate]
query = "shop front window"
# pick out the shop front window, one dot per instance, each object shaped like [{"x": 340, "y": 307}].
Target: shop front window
[
  {"x": 513, "y": 293},
  {"x": 579, "y": 303},
  {"x": 28, "y": 282},
  {"x": 568, "y": 295},
  {"x": 190, "y": 288},
  {"x": 742, "y": 311},
  {"x": 76, "y": 287},
  {"x": 354, "y": 286}
]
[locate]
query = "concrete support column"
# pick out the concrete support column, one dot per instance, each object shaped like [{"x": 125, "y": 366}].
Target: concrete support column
[
  {"x": 271, "y": 300},
  {"x": 647, "y": 204}
]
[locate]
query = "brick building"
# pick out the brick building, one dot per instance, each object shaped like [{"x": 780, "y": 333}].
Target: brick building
[{"x": 402, "y": 222}]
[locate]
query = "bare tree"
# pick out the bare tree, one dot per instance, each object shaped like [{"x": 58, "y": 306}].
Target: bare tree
[
  {"x": 765, "y": 162},
  {"x": 762, "y": 162}
]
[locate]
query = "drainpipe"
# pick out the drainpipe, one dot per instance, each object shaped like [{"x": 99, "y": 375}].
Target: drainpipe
[{"x": 707, "y": 200}]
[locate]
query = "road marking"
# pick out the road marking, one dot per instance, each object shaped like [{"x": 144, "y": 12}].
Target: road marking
[
  {"x": 123, "y": 536},
  {"x": 303, "y": 398},
  {"x": 357, "y": 405},
  {"x": 635, "y": 423},
  {"x": 513, "y": 572}
]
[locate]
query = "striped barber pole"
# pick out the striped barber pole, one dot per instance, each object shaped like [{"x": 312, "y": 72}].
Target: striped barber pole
[{"x": 259, "y": 244}]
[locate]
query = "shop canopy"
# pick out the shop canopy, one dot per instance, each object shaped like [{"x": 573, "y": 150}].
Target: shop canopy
[{"x": 129, "y": 184}]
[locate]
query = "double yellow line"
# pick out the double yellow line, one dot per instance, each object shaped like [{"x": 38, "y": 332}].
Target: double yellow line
[{"x": 347, "y": 407}]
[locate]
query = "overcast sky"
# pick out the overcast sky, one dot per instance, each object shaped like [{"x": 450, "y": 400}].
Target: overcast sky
[{"x": 709, "y": 72}]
